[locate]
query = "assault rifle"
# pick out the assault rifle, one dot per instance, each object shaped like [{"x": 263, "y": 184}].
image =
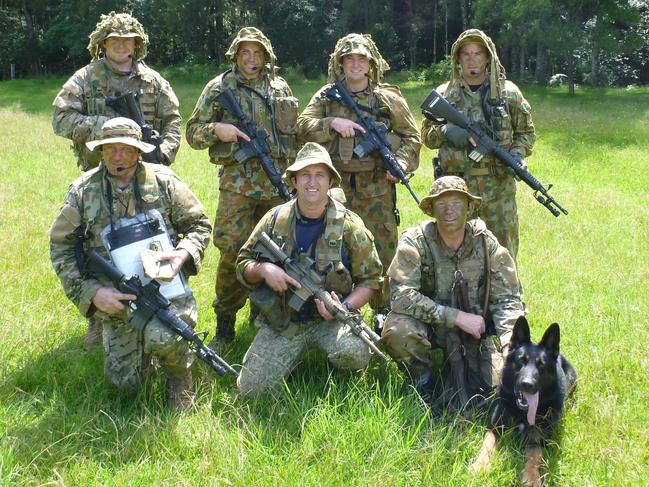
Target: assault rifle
[
  {"x": 308, "y": 279},
  {"x": 374, "y": 138},
  {"x": 126, "y": 106},
  {"x": 150, "y": 302},
  {"x": 257, "y": 146},
  {"x": 435, "y": 107}
]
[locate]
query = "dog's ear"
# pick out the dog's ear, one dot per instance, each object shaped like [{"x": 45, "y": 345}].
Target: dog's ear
[
  {"x": 550, "y": 340},
  {"x": 521, "y": 333}
]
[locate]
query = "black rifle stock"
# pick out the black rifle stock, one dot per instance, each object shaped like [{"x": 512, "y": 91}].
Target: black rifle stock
[
  {"x": 257, "y": 146},
  {"x": 435, "y": 107},
  {"x": 374, "y": 138},
  {"x": 126, "y": 106},
  {"x": 151, "y": 303},
  {"x": 309, "y": 279}
]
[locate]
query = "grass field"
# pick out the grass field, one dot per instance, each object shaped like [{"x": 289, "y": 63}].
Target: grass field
[{"x": 61, "y": 424}]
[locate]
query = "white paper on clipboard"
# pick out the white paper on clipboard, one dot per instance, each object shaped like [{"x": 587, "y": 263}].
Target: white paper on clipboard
[{"x": 127, "y": 257}]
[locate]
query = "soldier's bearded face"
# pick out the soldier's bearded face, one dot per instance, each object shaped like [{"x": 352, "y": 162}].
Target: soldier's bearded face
[
  {"x": 474, "y": 59},
  {"x": 312, "y": 184},
  {"x": 120, "y": 50},
  {"x": 120, "y": 160},
  {"x": 250, "y": 59},
  {"x": 450, "y": 211},
  {"x": 355, "y": 67}
]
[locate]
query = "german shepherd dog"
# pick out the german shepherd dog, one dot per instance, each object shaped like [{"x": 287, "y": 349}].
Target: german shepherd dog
[{"x": 535, "y": 382}]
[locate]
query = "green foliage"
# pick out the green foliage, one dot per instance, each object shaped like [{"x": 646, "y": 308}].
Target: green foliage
[
  {"x": 436, "y": 73},
  {"x": 62, "y": 424}
]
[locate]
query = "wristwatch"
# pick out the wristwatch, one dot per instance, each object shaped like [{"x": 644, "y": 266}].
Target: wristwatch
[{"x": 348, "y": 307}]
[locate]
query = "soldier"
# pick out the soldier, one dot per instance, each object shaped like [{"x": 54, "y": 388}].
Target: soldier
[
  {"x": 316, "y": 226},
  {"x": 245, "y": 192},
  {"x": 479, "y": 90},
  {"x": 369, "y": 188},
  {"x": 125, "y": 191},
  {"x": 80, "y": 108},
  {"x": 431, "y": 260}
]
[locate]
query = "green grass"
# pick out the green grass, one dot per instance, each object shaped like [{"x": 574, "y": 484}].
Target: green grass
[{"x": 61, "y": 424}]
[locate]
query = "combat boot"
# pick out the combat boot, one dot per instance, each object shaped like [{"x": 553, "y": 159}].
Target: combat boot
[
  {"x": 254, "y": 312},
  {"x": 180, "y": 392},
  {"x": 224, "y": 332},
  {"x": 94, "y": 333}
]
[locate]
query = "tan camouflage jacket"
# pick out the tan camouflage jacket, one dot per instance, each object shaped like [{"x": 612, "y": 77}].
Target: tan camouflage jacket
[
  {"x": 366, "y": 269},
  {"x": 388, "y": 106},
  {"x": 80, "y": 107},
  {"x": 248, "y": 178},
  {"x": 422, "y": 273},
  {"x": 86, "y": 211},
  {"x": 512, "y": 129}
]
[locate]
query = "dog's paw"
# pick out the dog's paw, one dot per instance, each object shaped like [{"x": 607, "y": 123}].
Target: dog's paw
[
  {"x": 530, "y": 477},
  {"x": 482, "y": 463}
]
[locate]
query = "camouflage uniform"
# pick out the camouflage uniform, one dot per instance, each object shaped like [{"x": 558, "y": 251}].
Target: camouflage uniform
[
  {"x": 368, "y": 192},
  {"x": 85, "y": 210},
  {"x": 245, "y": 192},
  {"x": 511, "y": 126},
  {"x": 276, "y": 351},
  {"x": 423, "y": 312},
  {"x": 80, "y": 107}
]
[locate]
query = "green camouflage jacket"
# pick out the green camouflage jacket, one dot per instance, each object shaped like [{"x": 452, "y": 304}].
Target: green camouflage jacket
[
  {"x": 388, "y": 106},
  {"x": 86, "y": 211},
  {"x": 80, "y": 107},
  {"x": 512, "y": 128},
  {"x": 248, "y": 178},
  {"x": 366, "y": 269},
  {"x": 422, "y": 273}
]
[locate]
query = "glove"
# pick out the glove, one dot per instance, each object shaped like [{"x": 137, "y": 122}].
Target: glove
[
  {"x": 456, "y": 136},
  {"x": 522, "y": 163}
]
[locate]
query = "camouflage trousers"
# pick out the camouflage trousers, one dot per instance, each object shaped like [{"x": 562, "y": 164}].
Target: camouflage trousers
[
  {"x": 273, "y": 355},
  {"x": 127, "y": 351},
  {"x": 236, "y": 217},
  {"x": 498, "y": 208},
  {"x": 411, "y": 342},
  {"x": 377, "y": 214}
]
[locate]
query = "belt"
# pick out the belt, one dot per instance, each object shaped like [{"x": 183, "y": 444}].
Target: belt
[{"x": 474, "y": 171}]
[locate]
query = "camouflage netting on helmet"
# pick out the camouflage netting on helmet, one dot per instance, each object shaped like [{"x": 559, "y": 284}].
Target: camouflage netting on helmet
[
  {"x": 252, "y": 34},
  {"x": 497, "y": 75},
  {"x": 120, "y": 25},
  {"x": 357, "y": 44}
]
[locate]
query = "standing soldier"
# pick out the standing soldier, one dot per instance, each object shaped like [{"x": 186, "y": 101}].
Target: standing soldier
[
  {"x": 368, "y": 187},
  {"x": 245, "y": 191},
  {"x": 83, "y": 104},
  {"x": 480, "y": 91}
]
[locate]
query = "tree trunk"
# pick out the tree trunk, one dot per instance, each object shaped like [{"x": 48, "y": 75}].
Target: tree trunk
[
  {"x": 446, "y": 51},
  {"x": 571, "y": 80},
  {"x": 540, "y": 71},
  {"x": 521, "y": 63},
  {"x": 434, "y": 31}
]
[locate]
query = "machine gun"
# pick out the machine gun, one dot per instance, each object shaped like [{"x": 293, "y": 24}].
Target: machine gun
[
  {"x": 374, "y": 138},
  {"x": 150, "y": 302},
  {"x": 257, "y": 146},
  {"x": 309, "y": 279},
  {"x": 435, "y": 107},
  {"x": 126, "y": 106}
]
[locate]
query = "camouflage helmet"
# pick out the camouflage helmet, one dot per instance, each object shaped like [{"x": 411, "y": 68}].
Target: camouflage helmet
[
  {"x": 447, "y": 184},
  {"x": 357, "y": 44},
  {"x": 118, "y": 25},
  {"x": 252, "y": 34},
  {"x": 310, "y": 154}
]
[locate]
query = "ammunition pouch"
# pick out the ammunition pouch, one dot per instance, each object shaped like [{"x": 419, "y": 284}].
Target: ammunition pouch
[
  {"x": 272, "y": 307},
  {"x": 286, "y": 111},
  {"x": 222, "y": 153}
]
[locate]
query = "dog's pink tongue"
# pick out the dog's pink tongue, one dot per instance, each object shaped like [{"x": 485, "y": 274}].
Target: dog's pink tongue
[{"x": 532, "y": 404}]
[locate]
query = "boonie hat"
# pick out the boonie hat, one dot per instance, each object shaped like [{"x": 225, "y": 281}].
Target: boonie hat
[
  {"x": 309, "y": 155},
  {"x": 446, "y": 184},
  {"x": 121, "y": 130}
]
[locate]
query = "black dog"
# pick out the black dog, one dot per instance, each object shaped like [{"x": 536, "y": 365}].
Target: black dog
[{"x": 535, "y": 382}]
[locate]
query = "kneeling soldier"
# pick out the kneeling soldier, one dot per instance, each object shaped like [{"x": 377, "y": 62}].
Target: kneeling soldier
[
  {"x": 312, "y": 227},
  {"x": 119, "y": 209},
  {"x": 450, "y": 279}
]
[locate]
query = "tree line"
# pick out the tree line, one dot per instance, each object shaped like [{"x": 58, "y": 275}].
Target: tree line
[{"x": 599, "y": 42}]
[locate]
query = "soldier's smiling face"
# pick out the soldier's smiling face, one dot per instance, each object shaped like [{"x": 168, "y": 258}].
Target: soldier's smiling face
[
  {"x": 450, "y": 210},
  {"x": 312, "y": 184},
  {"x": 120, "y": 160},
  {"x": 251, "y": 57},
  {"x": 356, "y": 67},
  {"x": 474, "y": 59},
  {"x": 120, "y": 50}
]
